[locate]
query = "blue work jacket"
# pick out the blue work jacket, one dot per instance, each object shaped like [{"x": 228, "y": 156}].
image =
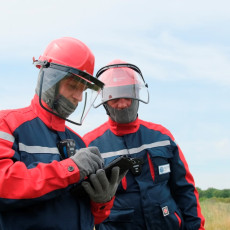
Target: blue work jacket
[
  {"x": 35, "y": 182},
  {"x": 163, "y": 195}
]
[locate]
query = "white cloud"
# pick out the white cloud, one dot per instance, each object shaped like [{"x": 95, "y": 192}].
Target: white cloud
[{"x": 169, "y": 58}]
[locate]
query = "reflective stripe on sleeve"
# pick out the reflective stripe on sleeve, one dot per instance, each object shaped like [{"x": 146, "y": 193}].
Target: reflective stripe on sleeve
[
  {"x": 136, "y": 150},
  {"x": 38, "y": 149},
  {"x": 7, "y": 136}
]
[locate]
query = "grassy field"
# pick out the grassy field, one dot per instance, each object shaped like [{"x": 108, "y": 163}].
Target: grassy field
[{"x": 216, "y": 213}]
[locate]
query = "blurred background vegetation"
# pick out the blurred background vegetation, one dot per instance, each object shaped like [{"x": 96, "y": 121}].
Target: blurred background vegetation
[
  {"x": 223, "y": 194},
  {"x": 215, "y": 207}
]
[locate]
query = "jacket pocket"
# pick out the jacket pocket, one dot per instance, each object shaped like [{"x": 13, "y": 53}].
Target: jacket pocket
[
  {"x": 172, "y": 215},
  {"x": 160, "y": 163},
  {"x": 118, "y": 219},
  {"x": 121, "y": 215}
]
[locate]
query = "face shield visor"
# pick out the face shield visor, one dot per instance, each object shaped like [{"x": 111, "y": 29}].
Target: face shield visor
[
  {"x": 122, "y": 81},
  {"x": 67, "y": 92}
]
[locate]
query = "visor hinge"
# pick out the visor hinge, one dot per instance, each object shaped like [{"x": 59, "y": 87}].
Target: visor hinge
[
  {"x": 45, "y": 64},
  {"x": 38, "y": 63}
]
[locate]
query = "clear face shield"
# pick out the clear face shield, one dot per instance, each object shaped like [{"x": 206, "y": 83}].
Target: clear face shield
[
  {"x": 67, "y": 92},
  {"x": 122, "y": 81}
]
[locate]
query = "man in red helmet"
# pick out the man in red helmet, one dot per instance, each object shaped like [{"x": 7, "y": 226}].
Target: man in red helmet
[
  {"x": 158, "y": 192},
  {"x": 42, "y": 160}
]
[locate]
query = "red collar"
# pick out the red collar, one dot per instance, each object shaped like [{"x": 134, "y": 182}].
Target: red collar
[
  {"x": 123, "y": 129},
  {"x": 51, "y": 121}
]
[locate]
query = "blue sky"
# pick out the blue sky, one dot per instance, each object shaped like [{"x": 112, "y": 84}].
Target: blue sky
[{"x": 181, "y": 47}]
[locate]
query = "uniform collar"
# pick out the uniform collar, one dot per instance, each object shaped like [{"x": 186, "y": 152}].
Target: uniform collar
[
  {"x": 52, "y": 121},
  {"x": 123, "y": 129}
]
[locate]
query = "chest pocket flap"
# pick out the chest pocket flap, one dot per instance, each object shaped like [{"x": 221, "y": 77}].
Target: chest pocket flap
[{"x": 161, "y": 160}]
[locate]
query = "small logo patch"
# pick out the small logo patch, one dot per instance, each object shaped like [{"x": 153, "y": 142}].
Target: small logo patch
[
  {"x": 164, "y": 169},
  {"x": 165, "y": 211}
]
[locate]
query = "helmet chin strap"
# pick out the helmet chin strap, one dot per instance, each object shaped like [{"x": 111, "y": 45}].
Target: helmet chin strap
[{"x": 123, "y": 116}]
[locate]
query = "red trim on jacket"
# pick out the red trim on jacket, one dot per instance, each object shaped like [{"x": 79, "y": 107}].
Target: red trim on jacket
[
  {"x": 123, "y": 129},
  {"x": 151, "y": 167},
  {"x": 190, "y": 180},
  {"x": 116, "y": 128},
  {"x": 124, "y": 182},
  {"x": 19, "y": 182},
  {"x": 8, "y": 121},
  {"x": 16, "y": 180},
  {"x": 94, "y": 135},
  {"x": 178, "y": 218},
  {"x": 52, "y": 121},
  {"x": 101, "y": 210},
  {"x": 188, "y": 175},
  {"x": 28, "y": 114},
  {"x": 156, "y": 127}
]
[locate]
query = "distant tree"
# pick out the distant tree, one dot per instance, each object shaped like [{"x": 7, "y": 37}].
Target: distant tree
[
  {"x": 217, "y": 193},
  {"x": 225, "y": 193},
  {"x": 209, "y": 193},
  {"x": 213, "y": 192}
]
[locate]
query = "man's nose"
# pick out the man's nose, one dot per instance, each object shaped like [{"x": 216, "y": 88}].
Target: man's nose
[
  {"x": 123, "y": 103},
  {"x": 77, "y": 94}
]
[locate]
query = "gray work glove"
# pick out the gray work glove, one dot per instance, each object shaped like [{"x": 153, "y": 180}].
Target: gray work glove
[
  {"x": 88, "y": 160},
  {"x": 102, "y": 190}
]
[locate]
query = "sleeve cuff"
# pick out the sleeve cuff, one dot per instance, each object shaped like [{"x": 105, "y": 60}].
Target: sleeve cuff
[
  {"x": 102, "y": 206},
  {"x": 71, "y": 170}
]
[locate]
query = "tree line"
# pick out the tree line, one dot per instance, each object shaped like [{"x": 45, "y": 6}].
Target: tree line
[{"x": 213, "y": 192}]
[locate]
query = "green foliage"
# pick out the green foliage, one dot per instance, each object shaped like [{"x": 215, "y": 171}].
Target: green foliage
[{"x": 223, "y": 194}]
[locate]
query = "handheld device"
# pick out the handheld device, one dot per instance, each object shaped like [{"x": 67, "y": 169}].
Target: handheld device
[{"x": 124, "y": 163}]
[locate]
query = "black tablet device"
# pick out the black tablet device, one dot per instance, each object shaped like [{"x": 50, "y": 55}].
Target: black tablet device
[{"x": 124, "y": 163}]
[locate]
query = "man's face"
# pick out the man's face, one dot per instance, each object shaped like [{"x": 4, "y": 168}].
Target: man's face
[
  {"x": 72, "y": 90},
  {"x": 120, "y": 103}
]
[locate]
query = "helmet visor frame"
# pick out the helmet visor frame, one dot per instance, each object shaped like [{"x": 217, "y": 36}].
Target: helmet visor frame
[
  {"x": 52, "y": 74},
  {"x": 136, "y": 89}
]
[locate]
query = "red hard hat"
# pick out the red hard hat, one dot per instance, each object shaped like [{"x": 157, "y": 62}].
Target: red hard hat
[
  {"x": 119, "y": 76},
  {"x": 70, "y": 52},
  {"x": 121, "y": 80}
]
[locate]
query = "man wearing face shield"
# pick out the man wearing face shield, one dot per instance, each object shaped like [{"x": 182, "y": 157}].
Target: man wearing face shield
[
  {"x": 41, "y": 159},
  {"x": 158, "y": 192}
]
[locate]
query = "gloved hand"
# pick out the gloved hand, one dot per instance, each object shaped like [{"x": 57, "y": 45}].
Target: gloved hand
[
  {"x": 102, "y": 190},
  {"x": 88, "y": 160}
]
